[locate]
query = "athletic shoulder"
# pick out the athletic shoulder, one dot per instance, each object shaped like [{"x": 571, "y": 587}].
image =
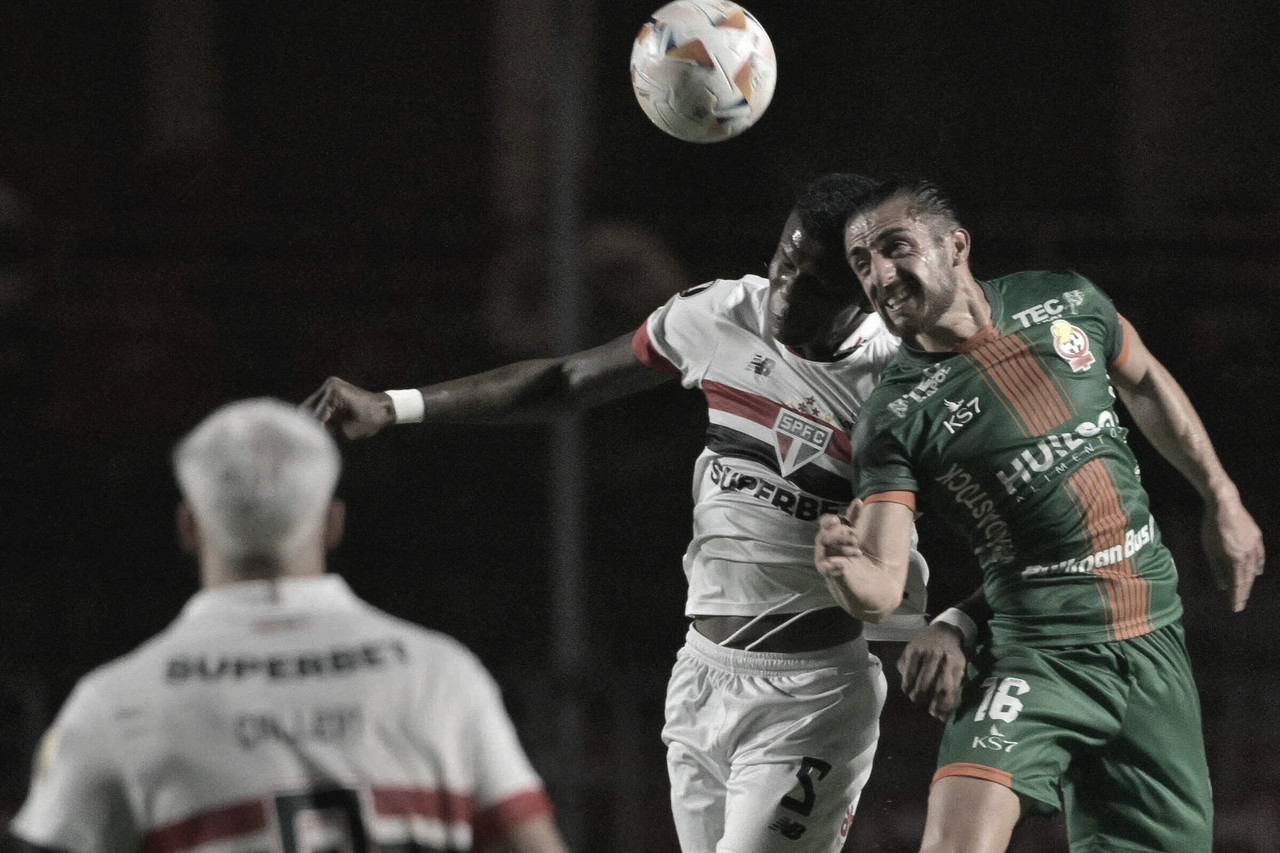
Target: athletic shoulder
[
  {"x": 1032, "y": 298},
  {"x": 436, "y": 654},
  {"x": 1030, "y": 285},
  {"x": 720, "y": 296},
  {"x": 686, "y": 332}
]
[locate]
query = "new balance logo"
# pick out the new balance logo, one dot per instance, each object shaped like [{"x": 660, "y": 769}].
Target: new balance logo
[
  {"x": 788, "y": 828},
  {"x": 761, "y": 366}
]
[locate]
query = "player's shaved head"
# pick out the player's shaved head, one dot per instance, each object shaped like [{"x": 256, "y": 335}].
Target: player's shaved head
[{"x": 258, "y": 476}]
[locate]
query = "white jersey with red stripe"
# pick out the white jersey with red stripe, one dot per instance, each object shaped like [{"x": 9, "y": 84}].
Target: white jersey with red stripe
[
  {"x": 777, "y": 454},
  {"x": 286, "y": 716}
]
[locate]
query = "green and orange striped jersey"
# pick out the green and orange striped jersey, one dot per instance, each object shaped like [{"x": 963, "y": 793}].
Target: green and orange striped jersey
[{"x": 1013, "y": 439}]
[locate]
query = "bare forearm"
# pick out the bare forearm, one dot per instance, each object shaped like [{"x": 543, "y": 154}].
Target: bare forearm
[
  {"x": 1164, "y": 413},
  {"x": 864, "y": 591},
  {"x": 863, "y": 557},
  {"x": 524, "y": 392},
  {"x": 541, "y": 389}
]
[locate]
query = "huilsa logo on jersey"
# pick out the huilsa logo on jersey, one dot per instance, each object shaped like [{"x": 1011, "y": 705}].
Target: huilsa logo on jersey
[
  {"x": 1072, "y": 344},
  {"x": 797, "y": 440}
]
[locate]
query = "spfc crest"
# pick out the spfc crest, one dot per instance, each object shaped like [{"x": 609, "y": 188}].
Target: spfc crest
[{"x": 797, "y": 440}]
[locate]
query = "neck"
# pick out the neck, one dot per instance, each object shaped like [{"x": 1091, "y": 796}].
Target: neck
[
  {"x": 827, "y": 347},
  {"x": 968, "y": 314},
  {"x": 216, "y": 570}
]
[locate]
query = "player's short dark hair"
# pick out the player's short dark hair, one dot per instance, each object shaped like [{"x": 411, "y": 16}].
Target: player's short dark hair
[
  {"x": 825, "y": 204},
  {"x": 926, "y": 198}
]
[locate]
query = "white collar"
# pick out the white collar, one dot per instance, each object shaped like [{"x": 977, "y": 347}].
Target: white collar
[{"x": 324, "y": 592}]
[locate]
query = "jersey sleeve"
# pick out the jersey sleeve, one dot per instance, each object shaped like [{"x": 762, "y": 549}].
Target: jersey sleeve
[
  {"x": 679, "y": 338},
  {"x": 881, "y": 466},
  {"x": 508, "y": 789},
  {"x": 78, "y": 801},
  {"x": 1115, "y": 328}
]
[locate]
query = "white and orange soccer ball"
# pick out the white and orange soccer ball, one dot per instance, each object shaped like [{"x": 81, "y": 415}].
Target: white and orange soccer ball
[{"x": 703, "y": 70}]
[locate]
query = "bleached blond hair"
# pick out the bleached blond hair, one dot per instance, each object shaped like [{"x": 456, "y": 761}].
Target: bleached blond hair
[{"x": 259, "y": 475}]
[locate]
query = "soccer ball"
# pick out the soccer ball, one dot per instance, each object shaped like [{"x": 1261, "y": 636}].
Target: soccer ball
[{"x": 703, "y": 70}]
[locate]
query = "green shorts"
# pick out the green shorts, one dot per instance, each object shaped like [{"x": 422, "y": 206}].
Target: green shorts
[{"x": 1114, "y": 728}]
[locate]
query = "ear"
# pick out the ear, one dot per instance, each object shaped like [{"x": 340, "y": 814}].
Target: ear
[
  {"x": 335, "y": 521},
  {"x": 188, "y": 529},
  {"x": 960, "y": 244}
]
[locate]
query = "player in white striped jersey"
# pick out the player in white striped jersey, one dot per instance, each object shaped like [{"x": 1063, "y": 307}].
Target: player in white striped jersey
[
  {"x": 280, "y": 712},
  {"x": 774, "y": 701}
]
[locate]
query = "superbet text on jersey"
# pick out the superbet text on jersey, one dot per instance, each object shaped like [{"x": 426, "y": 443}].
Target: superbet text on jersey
[{"x": 287, "y": 716}]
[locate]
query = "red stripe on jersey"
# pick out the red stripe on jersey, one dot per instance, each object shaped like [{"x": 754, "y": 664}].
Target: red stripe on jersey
[
  {"x": 451, "y": 809},
  {"x": 762, "y": 410},
  {"x": 421, "y": 802},
  {"x": 495, "y": 821},
  {"x": 228, "y": 822},
  {"x": 642, "y": 346}
]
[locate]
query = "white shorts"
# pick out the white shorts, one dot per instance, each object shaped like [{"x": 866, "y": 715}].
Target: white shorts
[{"x": 768, "y": 753}]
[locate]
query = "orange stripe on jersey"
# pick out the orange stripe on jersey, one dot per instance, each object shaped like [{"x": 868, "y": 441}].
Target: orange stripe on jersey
[
  {"x": 1126, "y": 333},
  {"x": 975, "y": 771},
  {"x": 1126, "y": 596},
  {"x": 907, "y": 499},
  {"x": 197, "y": 830},
  {"x": 1131, "y": 593},
  {"x": 1029, "y": 391}
]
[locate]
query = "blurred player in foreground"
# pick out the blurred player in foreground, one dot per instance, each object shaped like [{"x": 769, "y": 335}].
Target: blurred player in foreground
[
  {"x": 998, "y": 414},
  {"x": 280, "y": 712},
  {"x": 772, "y": 713}
]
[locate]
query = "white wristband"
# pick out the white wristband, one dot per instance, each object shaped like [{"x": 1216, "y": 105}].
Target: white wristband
[
  {"x": 408, "y": 404},
  {"x": 961, "y": 621}
]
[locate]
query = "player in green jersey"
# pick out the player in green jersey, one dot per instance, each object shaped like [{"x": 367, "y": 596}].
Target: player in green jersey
[{"x": 998, "y": 415}]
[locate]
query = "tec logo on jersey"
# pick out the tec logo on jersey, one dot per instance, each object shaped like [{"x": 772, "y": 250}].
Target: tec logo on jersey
[
  {"x": 1050, "y": 309},
  {"x": 1072, "y": 344},
  {"x": 798, "y": 439}
]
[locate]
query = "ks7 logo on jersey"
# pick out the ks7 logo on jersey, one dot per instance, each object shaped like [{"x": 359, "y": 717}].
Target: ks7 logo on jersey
[{"x": 798, "y": 439}]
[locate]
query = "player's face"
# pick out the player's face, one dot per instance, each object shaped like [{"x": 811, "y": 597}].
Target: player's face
[
  {"x": 903, "y": 263},
  {"x": 810, "y": 288}
]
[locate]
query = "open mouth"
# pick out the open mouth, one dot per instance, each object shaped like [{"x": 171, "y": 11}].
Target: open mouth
[{"x": 893, "y": 301}]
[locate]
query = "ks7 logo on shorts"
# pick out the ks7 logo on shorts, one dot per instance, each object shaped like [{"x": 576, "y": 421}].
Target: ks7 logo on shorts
[{"x": 798, "y": 440}]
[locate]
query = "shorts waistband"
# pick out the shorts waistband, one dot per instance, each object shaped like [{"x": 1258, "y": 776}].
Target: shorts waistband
[{"x": 855, "y": 651}]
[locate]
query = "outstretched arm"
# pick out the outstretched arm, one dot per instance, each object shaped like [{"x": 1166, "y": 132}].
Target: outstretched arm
[
  {"x": 523, "y": 392},
  {"x": 863, "y": 556},
  {"x": 1161, "y": 409}
]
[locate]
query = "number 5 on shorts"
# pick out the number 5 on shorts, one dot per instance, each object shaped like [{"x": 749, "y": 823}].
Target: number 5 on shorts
[{"x": 805, "y": 774}]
